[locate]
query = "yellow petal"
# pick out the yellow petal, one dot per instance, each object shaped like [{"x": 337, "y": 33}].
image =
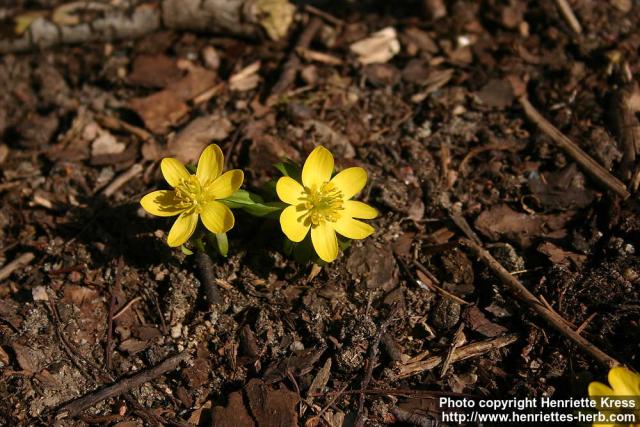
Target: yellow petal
[
  {"x": 210, "y": 164},
  {"x": 325, "y": 241},
  {"x": 598, "y": 389},
  {"x": 350, "y": 181},
  {"x": 217, "y": 217},
  {"x": 173, "y": 171},
  {"x": 352, "y": 228},
  {"x": 317, "y": 168},
  {"x": 356, "y": 209},
  {"x": 182, "y": 229},
  {"x": 289, "y": 190},
  {"x": 161, "y": 203},
  {"x": 624, "y": 382},
  {"x": 225, "y": 185},
  {"x": 293, "y": 224}
]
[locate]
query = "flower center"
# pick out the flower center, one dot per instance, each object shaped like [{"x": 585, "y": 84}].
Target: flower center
[
  {"x": 189, "y": 194},
  {"x": 323, "y": 203}
]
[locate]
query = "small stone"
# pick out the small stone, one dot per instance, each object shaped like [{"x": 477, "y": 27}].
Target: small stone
[
  {"x": 176, "y": 331},
  {"x": 39, "y": 293}
]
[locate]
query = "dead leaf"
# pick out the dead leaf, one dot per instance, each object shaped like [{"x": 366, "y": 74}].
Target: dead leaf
[
  {"x": 165, "y": 108},
  {"x": 235, "y": 414},
  {"x": 28, "y": 358},
  {"x": 245, "y": 79},
  {"x": 559, "y": 256},
  {"x": 500, "y": 221},
  {"x": 159, "y": 111},
  {"x": 272, "y": 407},
  {"x": 497, "y": 93},
  {"x": 379, "y": 47},
  {"x": 202, "y": 131},
  {"x": 154, "y": 71},
  {"x": 477, "y": 321},
  {"x": 300, "y": 363},
  {"x": 375, "y": 265}
]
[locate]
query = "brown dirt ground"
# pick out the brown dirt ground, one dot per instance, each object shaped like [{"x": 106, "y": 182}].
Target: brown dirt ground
[{"x": 439, "y": 131}]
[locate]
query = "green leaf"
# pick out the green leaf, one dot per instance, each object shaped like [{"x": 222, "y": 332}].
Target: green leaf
[
  {"x": 252, "y": 204},
  {"x": 222, "y": 243},
  {"x": 288, "y": 168},
  {"x": 186, "y": 250}
]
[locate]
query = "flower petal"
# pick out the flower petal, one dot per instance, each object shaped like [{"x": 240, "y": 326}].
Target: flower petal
[
  {"x": 356, "y": 209},
  {"x": 173, "y": 171},
  {"x": 210, "y": 164},
  {"x": 317, "y": 168},
  {"x": 352, "y": 228},
  {"x": 225, "y": 185},
  {"x": 598, "y": 389},
  {"x": 325, "y": 241},
  {"x": 182, "y": 229},
  {"x": 217, "y": 217},
  {"x": 161, "y": 203},
  {"x": 624, "y": 382},
  {"x": 293, "y": 224},
  {"x": 289, "y": 190},
  {"x": 350, "y": 181}
]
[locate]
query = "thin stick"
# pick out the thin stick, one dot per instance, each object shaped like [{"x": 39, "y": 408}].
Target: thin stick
[
  {"x": 461, "y": 353},
  {"x": 324, "y": 15},
  {"x": 122, "y": 179},
  {"x": 76, "y": 406},
  {"x": 207, "y": 277},
  {"x": 373, "y": 356},
  {"x": 524, "y": 295},
  {"x": 290, "y": 68},
  {"x": 112, "y": 308},
  {"x": 590, "y": 166},
  {"x": 567, "y": 12},
  {"x": 126, "y": 307},
  {"x": 17, "y": 263}
]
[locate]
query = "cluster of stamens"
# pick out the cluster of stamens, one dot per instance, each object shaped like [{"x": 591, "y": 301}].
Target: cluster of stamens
[
  {"x": 189, "y": 194},
  {"x": 322, "y": 204}
]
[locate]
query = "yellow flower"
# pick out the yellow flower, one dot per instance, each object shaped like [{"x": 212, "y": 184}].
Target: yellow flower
[
  {"x": 322, "y": 204},
  {"x": 624, "y": 384},
  {"x": 195, "y": 196}
]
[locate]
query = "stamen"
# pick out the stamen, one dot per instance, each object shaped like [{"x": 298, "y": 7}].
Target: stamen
[
  {"x": 322, "y": 204},
  {"x": 189, "y": 194}
]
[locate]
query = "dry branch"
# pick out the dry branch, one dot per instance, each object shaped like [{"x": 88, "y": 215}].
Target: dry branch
[
  {"x": 626, "y": 106},
  {"x": 590, "y": 166},
  {"x": 461, "y": 353},
  {"x": 524, "y": 295},
  {"x": 92, "y": 21},
  {"x": 76, "y": 406}
]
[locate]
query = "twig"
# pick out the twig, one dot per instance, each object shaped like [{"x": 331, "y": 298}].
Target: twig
[
  {"x": 584, "y": 324},
  {"x": 112, "y": 308},
  {"x": 461, "y": 353},
  {"x": 76, "y": 406},
  {"x": 413, "y": 418},
  {"x": 290, "y": 68},
  {"x": 324, "y": 15},
  {"x": 206, "y": 276},
  {"x": 17, "y": 263},
  {"x": 114, "y": 123},
  {"x": 626, "y": 105},
  {"x": 567, "y": 12},
  {"x": 122, "y": 179},
  {"x": 590, "y": 166},
  {"x": 424, "y": 279},
  {"x": 524, "y": 295},
  {"x": 462, "y": 223},
  {"x": 371, "y": 361},
  {"x": 126, "y": 307}
]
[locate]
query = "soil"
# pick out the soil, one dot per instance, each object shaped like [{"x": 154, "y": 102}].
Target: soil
[{"x": 100, "y": 296}]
